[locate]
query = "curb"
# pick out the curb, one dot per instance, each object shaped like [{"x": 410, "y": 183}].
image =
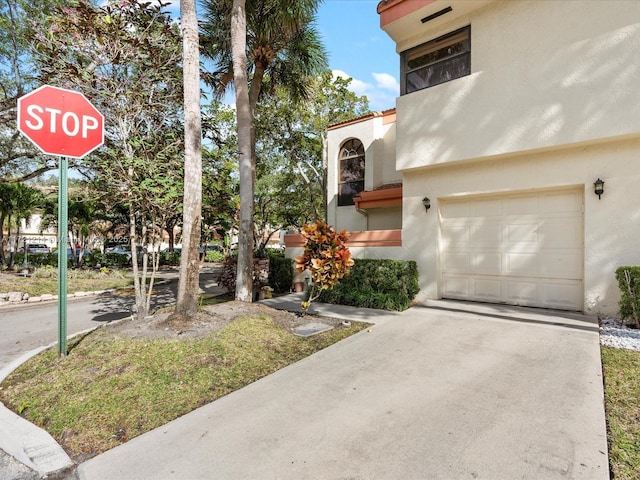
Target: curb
[
  {"x": 25, "y": 442},
  {"x": 30, "y": 301}
]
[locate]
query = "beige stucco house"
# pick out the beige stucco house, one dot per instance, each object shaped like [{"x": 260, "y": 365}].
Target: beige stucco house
[{"x": 509, "y": 112}]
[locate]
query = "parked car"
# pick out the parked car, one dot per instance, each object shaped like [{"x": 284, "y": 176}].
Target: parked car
[
  {"x": 110, "y": 246},
  {"x": 78, "y": 252},
  {"x": 126, "y": 250},
  {"x": 37, "y": 248},
  {"x": 201, "y": 249}
]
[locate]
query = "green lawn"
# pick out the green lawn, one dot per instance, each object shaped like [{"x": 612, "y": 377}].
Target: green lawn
[
  {"x": 622, "y": 402},
  {"x": 154, "y": 381},
  {"x": 149, "y": 381},
  {"x": 45, "y": 281}
]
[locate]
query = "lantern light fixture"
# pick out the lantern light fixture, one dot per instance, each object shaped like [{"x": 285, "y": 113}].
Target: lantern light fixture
[
  {"x": 598, "y": 187},
  {"x": 427, "y": 203}
]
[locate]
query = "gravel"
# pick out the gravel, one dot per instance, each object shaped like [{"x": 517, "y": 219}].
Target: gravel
[{"x": 616, "y": 336}]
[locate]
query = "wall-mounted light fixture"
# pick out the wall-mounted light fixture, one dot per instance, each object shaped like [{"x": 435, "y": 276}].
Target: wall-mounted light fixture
[
  {"x": 598, "y": 187},
  {"x": 427, "y": 203}
]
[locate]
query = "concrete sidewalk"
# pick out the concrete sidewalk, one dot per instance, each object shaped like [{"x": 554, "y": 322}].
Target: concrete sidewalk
[{"x": 444, "y": 391}]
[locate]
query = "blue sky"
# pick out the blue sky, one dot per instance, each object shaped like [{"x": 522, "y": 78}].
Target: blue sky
[{"x": 357, "y": 48}]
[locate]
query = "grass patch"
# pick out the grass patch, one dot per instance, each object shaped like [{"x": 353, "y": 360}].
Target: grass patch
[
  {"x": 111, "y": 388},
  {"x": 622, "y": 403},
  {"x": 46, "y": 281}
]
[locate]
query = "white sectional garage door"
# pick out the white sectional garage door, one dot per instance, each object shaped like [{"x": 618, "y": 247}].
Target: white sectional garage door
[{"x": 522, "y": 249}]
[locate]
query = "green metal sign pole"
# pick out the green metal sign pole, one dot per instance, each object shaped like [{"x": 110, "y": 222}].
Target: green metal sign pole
[{"x": 63, "y": 204}]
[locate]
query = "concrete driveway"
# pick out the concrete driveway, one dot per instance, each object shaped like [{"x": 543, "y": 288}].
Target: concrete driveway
[{"x": 445, "y": 391}]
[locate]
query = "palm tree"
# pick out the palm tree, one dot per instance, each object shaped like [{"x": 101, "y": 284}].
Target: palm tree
[
  {"x": 5, "y": 211},
  {"x": 281, "y": 48},
  {"x": 84, "y": 220},
  {"x": 246, "y": 160},
  {"x": 187, "y": 301},
  {"x": 23, "y": 201}
]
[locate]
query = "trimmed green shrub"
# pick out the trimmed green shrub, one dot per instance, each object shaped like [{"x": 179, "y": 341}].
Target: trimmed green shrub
[
  {"x": 280, "y": 271},
  {"x": 106, "y": 260},
  {"x": 170, "y": 258},
  {"x": 629, "y": 283},
  {"x": 214, "y": 256},
  {"x": 382, "y": 284},
  {"x": 37, "y": 259}
]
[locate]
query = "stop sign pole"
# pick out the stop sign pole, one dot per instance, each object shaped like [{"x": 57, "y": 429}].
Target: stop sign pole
[
  {"x": 62, "y": 123},
  {"x": 63, "y": 233}
]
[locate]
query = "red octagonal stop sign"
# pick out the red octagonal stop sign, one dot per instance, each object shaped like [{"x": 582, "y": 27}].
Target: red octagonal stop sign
[{"x": 60, "y": 122}]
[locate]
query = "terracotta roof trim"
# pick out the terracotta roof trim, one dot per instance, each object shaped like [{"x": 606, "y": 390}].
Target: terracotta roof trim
[
  {"x": 363, "y": 118},
  {"x": 379, "y": 198},
  {"x": 386, "y": 4},
  {"x": 388, "y": 185}
]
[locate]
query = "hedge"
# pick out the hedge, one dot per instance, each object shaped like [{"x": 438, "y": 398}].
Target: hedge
[
  {"x": 629, "y": 293},
  {"x": 214, "y": 256},
  {"x": 170, "y": 258},
  {"x": 382, "y": 284},
  {"x": 89, "y": 260},
  {"x": 280, "y": 271},
  {"x": 106, "y": 260}
]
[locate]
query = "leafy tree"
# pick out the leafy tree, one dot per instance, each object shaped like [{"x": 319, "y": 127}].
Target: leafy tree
[
  {"x": 84, "y": 220},
  {"x": 125, "y": 57},
  {"x": 18, "y": 202},
  {"x": 250, "y": 41},
  {"x": 5, "y": 211},
  {"x": 291, "y": 150},
  {"x": 19, "y": 159},
  {"x": 326, "y": 256},
  {"x": 220, "y": 172}
]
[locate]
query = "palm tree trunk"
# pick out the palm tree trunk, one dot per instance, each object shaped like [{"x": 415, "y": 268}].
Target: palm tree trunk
[
  {"x": 244, "y": 278},
  {"x": 187, "y": 301}
]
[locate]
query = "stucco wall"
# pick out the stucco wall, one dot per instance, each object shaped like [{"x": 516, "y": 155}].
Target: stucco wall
[
  {"x": 393, "y": 253},
  {"x": 385, "y": 218},
  {"x": 385, "y": 171},
  {"x": 378, "y": 139},
  {"x": 611, "y": 224},
  {"x": 544, "y": 74}
]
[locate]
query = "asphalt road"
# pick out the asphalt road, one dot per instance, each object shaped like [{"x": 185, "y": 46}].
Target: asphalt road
[{"x": 26, "y": 327}]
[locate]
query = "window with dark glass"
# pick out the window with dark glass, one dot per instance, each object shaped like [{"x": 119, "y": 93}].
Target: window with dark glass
[
  {"x": 351, "y": 167},
  {"x": 438, "y": 61}
]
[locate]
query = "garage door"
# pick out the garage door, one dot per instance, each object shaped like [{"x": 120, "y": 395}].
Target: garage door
[{"x": 524, "y": 249}]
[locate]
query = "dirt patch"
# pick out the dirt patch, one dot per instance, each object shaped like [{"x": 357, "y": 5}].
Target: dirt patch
[{"x": 212, "y": 318}]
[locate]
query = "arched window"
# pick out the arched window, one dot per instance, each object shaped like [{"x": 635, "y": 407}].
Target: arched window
[{"x": 351, "y": 167}]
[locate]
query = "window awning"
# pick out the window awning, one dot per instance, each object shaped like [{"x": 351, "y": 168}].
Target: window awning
[{"x": 386, "y": 196}]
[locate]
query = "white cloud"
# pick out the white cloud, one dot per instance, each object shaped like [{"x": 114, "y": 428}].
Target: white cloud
[
  {"x": 381, "y": 94},
  {"x": 387, "y": 81}
]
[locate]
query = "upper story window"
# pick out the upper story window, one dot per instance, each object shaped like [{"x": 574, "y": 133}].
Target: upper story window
[
  {"x": 441, "y": 60},
  {"x": 351, "y": 167}
]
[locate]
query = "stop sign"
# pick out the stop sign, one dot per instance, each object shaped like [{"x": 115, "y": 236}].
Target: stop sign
[{"x": 60, "y": 122}]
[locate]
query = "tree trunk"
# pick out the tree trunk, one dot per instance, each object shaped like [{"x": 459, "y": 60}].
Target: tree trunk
[
  {"x": 171, "y": 224},
  {"x": 187, "y": 301},
  {"x": 13, "y": 247},
  {"x": 244, "y": 279},
  {"x": 2, "y": 242},
  {"x": 325, "y": 169},
  {"x": 137, "y": 288}
]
